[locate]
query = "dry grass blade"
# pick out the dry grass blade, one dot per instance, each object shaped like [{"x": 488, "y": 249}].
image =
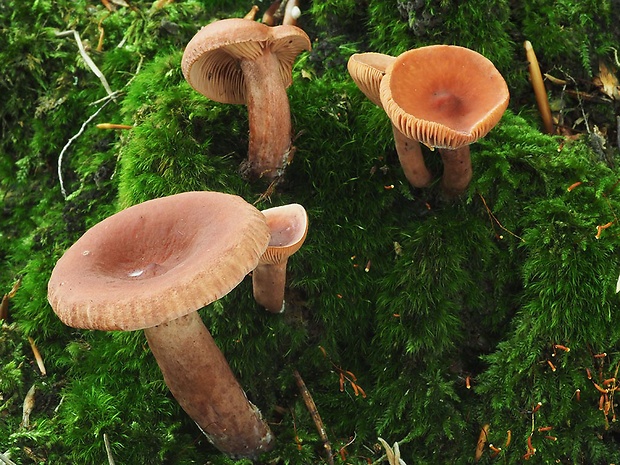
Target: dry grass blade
[
  {"x": 5, "y": 459},
  {"x": 37, "y": 356},
  {"x": 28, "y": 406},
  {"x": 392, "y": 453}
]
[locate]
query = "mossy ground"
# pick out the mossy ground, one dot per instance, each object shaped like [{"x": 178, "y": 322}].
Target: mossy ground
[{"x": 415, "y": 295}]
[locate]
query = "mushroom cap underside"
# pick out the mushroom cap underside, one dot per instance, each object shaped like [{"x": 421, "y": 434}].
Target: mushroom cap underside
[
  {"x": 210, "y": 61},
  {"x": 367, "y": 69},
  {"x": 157, "y": 261},
  {"x": 444, "y": 96},
  {"x": 288, "y": 225}
]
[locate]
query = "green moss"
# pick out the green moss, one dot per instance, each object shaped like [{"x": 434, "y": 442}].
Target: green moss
[{"x": 405, "y": 293}]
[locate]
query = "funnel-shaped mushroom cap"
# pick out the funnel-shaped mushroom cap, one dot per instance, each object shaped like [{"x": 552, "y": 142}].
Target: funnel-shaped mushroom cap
[
  {"x": 157, "y": 261},
  {"x": 211, "y": 59},
  {"x": 288, "y": 225},
  {"x": 367, "y": 69},
  {"x": 443, "y": 95}
]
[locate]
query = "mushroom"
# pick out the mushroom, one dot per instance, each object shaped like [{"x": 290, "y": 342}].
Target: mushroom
[
  {"x": 367, "y": 69},
  {"x": 151, "y": 267},
  {"x": 245, "y": 62},
  {"x": 292, "y": 13},
  {"x": 446, "y": 97},
  {"x": 288, "y": 225}
]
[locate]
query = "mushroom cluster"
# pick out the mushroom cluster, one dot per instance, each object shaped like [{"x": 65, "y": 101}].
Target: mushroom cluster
[
  {"x": 151, "y": 267},
  {"x": 288, "y": 225},
  {"x": 443, "y": 96}
]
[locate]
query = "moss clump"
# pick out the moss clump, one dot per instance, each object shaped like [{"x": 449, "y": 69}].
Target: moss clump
[{"x": 396, "y": 291}]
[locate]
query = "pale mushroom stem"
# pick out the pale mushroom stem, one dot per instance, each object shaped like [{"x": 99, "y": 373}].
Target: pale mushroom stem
[
  {"x": 268, "y": 283},
  {"x": 269, "y": 115},
  {"x": 411, "y": 159},
  {"x": 457, "y": 172},
  {"x": 201, "y": 380}
]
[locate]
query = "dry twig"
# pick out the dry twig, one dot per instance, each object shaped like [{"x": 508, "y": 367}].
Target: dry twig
[
  {"x": 305, "y": 394},
  {"x": 70, "y": 141},
  {"x": 108, "y": 449}
]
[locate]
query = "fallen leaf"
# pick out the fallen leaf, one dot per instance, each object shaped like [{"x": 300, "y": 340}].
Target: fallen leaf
[{"x": 607, "y": 81}]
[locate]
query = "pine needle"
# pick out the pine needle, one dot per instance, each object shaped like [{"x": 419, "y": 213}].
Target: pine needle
[{"x": 37, "y": 356}]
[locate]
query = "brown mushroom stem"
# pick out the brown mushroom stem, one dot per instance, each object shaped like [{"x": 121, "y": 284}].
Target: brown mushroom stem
[
  {"x": 201, "y": 380},
  {"x": 269, "y": 115},
  {"x": 268, "y": 282},
  {"x": 411, "y": 159},
  {"x": 269, "y": 15},
  {"x": 457, "y": 172}
]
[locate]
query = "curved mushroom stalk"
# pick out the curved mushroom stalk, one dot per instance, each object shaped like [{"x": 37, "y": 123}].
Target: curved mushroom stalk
[
  {"x": 411, "y": 160},
  {"x": 151, "y": 267},
  {"x": 245, "y": 62},
  {"x": 447, "y": 97},
  {"x": 269, "y": 116},
  {"x": 289, "y": 226},
  {"x": 367, "y": 71},
  {"x": 201, "y": 381}
]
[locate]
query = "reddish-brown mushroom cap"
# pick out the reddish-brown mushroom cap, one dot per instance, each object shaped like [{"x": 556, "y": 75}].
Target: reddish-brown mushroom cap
[
  {"x": 446, "y": 97},
  {"x": 245, "y": 62},
  {"x": 367, "y": 70},
  {"x": 157, "y": 261},
  {"x": 153, "y": 266},
  {"x": 289, "y": 226}
]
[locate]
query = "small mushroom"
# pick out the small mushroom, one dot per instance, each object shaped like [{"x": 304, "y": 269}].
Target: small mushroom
[
  {"x": 245, "y": 62},
  {"x": 288, "y": 225},
  {"x": 292, "y": 12},
  {"x": 151, "y": 267},
  {"x": 367, "y": 70},
  {"x": 446, "y": 97}
]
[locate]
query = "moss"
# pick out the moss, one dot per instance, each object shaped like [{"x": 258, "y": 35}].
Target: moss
[{"x": 396, "y": 290}]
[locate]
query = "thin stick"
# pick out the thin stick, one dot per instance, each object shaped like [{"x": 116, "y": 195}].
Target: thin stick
[
  {"x": 539, "y": 88},
  {"x": 491, "y": 215},
  {"x": 37, "y": 356},
  {"x": 108, "y": 449},
  {"x": 315, "y": 416},
  {"x": 69, "y": 142},
  {"x": 91, "y": 64}
]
